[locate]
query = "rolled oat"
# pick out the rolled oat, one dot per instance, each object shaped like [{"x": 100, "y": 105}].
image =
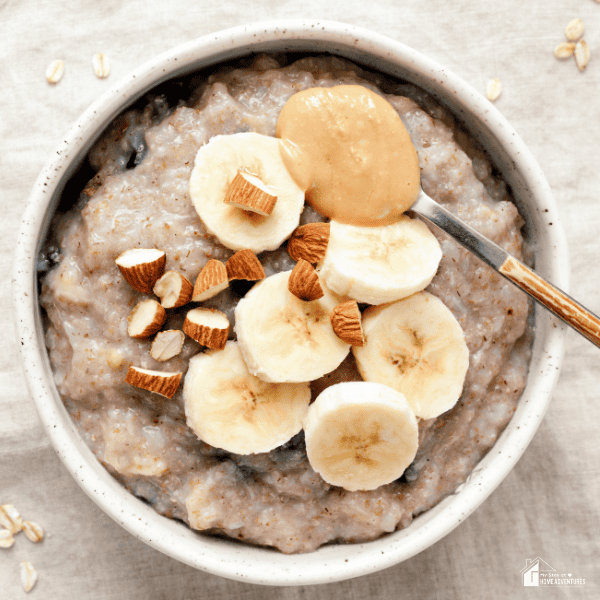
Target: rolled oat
[
  {"x": 6, "y": 538},
  {"x": 574, "y": 30},
  {"x": 101, "y": 65},
  {"x": 564, "y": 50},
  {"x": 10, "y": 518},
  {"x": 582, "y": 54},
  {"x": 33, "y": 531},
  {"x": 28, "y": 576},
  {"x": 54, "y": 71},
  {"x": 494, "y": 89}
]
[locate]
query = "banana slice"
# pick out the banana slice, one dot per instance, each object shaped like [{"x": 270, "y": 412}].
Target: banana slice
[
  {"x": 284, "y": 338},
  {"x": 217, "y": 165},
  {"x": 417, "y": 347},
  {"x": 380, "y": 264},
  {"x": 229, "y": 408},
  {"x": 360, "y": 435}
]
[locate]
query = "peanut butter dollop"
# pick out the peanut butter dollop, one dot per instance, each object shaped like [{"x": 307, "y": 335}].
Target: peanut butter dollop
[{"x": 349, "y": 149}]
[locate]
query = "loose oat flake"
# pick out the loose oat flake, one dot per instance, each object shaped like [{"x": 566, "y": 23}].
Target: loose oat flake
[
  {"x": 55, "y": 71},
  {"x": 10, "y": 518},
  {"x": 582, "y": 54},
  {"x": 28, "y": 575},
  {"x": 574, "y": 30},
  {"x": 494, "y": 89},
  {"x": 33, "y": 531},
  {"x": 6, "y": 538},
  {"x": 564, "y": 50},
  {"x": 101, "y": 65}
]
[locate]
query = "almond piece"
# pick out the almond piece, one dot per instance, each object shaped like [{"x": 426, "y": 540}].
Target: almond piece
[
  {"x": 167, "y": 344},
  {"x": 582, "y": 54},
  {"x": 159, "y": 382},
  {"x": 244, "y": 264},
  {"x": 346, "y": 323},
  {"x": 209, "y": 327},
  {"x": 142, "y": 267},
  {"x": 210, "y": 281},
  {"x": 173, "y": 289},
  {"x": 309, "y": 242},
  {"x": 248, "y": 192},
  {"x": 147, "y": 317},
  {"x": 304, "y": 282}
]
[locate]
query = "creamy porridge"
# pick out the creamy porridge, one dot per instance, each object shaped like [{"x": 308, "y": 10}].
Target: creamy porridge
[{"x": 139, "y": 199}]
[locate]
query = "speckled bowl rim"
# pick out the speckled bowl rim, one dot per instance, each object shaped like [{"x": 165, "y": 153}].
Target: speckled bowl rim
[{"x": 333, "y": 562}]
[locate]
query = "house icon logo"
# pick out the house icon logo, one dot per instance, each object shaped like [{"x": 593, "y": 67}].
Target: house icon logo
[{"x": 534, "y": 570}]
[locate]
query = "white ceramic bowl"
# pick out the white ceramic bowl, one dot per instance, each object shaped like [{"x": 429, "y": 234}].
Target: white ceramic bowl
[{"x": 534, "y": 200}]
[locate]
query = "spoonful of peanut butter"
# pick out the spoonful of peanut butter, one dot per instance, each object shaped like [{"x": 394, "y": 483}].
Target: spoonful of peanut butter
[{"x": 349, "y": 149}]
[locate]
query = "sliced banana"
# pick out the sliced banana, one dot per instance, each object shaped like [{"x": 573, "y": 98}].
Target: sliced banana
[
  {"x": 380, "y": 264},
  {"x": 217, "y": 164},
  {"x": 417, "y": 347},
  {"x": 360, "y": 435},
  {"x": 229, "y": 408},
  {"x": 284, "y": 338}
]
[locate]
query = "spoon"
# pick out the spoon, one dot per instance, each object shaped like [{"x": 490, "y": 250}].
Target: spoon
[{"x": 549, "y": 296}]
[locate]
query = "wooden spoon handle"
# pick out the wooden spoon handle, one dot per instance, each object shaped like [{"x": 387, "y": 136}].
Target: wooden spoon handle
[
  {"x": 561, "y": 304},
  {"x": 555, "y": 300}
]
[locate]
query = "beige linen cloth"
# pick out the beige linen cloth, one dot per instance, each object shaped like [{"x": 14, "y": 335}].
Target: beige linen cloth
[{"x": 547, "y": 507}]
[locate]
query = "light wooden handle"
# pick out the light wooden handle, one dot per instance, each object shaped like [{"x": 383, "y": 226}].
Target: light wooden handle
[
  {"x": 553, "y": 299},
  {"x": 563, "y": 306}
]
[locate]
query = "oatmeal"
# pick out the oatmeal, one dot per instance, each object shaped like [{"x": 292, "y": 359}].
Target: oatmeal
[{"x": 139, "y": 198}]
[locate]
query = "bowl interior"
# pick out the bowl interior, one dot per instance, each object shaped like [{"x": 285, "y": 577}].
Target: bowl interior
[{"x": 533, "y": 198}]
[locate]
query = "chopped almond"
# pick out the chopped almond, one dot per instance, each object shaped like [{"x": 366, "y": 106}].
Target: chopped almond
[
  {"x": 304, "y": 282},
  {"x": 309, "y": 242},
  {"x": 244, "y": 264},
  {"x": 147, "y": 317},
  {"x": 167, "y": 344},
  {"x": 211, "y": 280},
  {"x": 346, "y": 323},
  {"x": 248, "y": 192},
  {"x": 209, "y": 327},
  {"x": 173, "y": 289},
  {"x": 159, "y": 382},
  {"x": 142, "y": 267}
]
